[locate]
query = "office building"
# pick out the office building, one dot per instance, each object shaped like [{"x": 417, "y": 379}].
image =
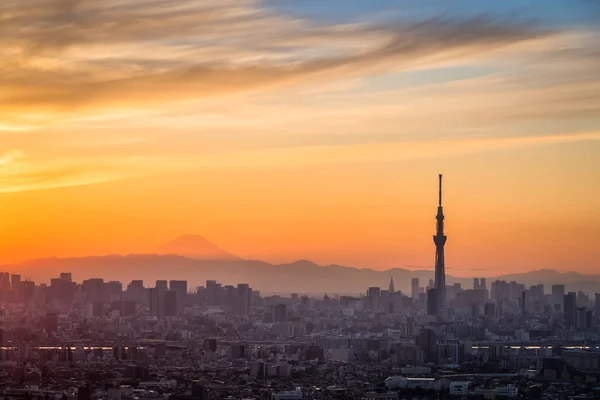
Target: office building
[
  {"x": 570, "y": 304},
  {"x": 414, "y": 289}
]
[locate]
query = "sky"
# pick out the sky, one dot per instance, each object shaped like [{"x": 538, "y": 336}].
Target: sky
[{"x": 303, "y": 129}]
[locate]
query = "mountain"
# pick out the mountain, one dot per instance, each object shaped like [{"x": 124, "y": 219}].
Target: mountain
[
  {"x": 297, "y": 277},
  {"x": 195, "y": 246}
]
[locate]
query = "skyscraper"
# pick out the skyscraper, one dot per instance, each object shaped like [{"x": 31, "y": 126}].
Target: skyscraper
[
  {"x": 15, "y": 281},
  {"x": 374, "y": 294},
  {"x": 440, "y": 240},
  {"x": 570, "y": 303},
  {"x": 161, "y": 286},
  {"x": 171, "y": 306},
  {"x": 244, "y": 299},
  {"x": 180, "y": 287},
  {"x": 414, "y": 288},
  {"x": 432, "y": 302},
  {"x": 154, "y": 302},
  {"x": 280, "y": 313},
  {"x": 392, "y": 289}
]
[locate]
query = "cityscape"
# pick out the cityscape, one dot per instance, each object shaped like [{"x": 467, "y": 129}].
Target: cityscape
[
  {"x": 103, "y": 339},
  {"x": 299, "y": 199}
]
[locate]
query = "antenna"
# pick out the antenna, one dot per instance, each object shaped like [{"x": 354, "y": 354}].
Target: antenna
[{"x": 440, "y": 194}]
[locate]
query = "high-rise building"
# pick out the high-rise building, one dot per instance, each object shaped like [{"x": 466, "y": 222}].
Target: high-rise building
[
  {"x": 597, "y": 306},
  {"x": 449, "y": 351},
  {"x": 475, "y": 283},
  {"x": 414, "y": 288},
  {"x": 440, "y": 240},
  {"x": 374, "y": 295},
  {"x": 171, "y": 303},
  {"x": 156, "y": 310},
  {"x": 212, "y": 293},
  {"x": 4, "y": 281},
  {"x": 558, "y": 295},
  {"x": 432, "y": 302},
  {"x": 482, "y": 283},
  {"x": 581, "y": 318},
  {"x": 161, "y": 286},
  {"x": 66, "y": 277},
  {"x": 26, "y": 292},
  {"x": 490, "y": 310},
  {"x": 244, "y": 299},
  {"x": 15, "y": 282},
  {"x": 280, "y": 313},
  {"x": 570, "y": 304},
  {"x": 427, "y": 340},
  {"x": 392, "y": 288},
  {"x": 180, "y": 287}
]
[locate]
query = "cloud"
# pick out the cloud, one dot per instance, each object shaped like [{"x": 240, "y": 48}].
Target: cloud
[
  {"x": 10, "y": 157},
  {"x": 56, "y": 173},
  {"x": 129, "y": 75},
  {"x": 72, "y": 55}
]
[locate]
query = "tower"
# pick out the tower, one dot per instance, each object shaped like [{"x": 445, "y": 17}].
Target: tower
[
  {"x": 440, "y": 240},
  {"x": 392, "y": 290}
]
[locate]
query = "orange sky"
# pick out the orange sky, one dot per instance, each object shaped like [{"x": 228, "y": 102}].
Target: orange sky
[{"x": 323, "y": 142}]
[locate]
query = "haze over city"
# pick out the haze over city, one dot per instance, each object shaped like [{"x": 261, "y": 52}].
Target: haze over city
[{"x": 287, "y": 130}]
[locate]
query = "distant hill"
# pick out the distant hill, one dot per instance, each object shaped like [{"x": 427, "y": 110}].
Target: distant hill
[
  {"x": 195, "y": 246},
  {"x": 300, "y": 277}
]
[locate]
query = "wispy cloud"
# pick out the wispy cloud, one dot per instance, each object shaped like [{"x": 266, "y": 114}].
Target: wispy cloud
[
  {"x": 51, "y": 173},
  {"x": 61, "y": 57},
  {"x": 10, "y": 157}
]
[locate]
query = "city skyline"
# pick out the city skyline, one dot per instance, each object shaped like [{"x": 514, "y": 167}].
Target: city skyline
[{"x": 285, "y": 130}]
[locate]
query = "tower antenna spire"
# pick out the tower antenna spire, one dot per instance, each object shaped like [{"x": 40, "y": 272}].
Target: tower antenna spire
[{"x": 440, "y": 192}]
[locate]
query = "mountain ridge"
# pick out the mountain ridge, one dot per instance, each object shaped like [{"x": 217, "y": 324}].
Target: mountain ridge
[{"x": 301, "y": 276}]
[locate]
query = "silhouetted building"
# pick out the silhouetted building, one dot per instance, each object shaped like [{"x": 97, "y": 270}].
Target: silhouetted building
[
  {"x": 432, "y": 302},
  {"x": 244, "y": 299},
  {"x": 4, "y": 281},
  {"x": 171, "y": 303},
  {"x": 156, "y": 310},
  {"x": 280, "y": 313},
  {"x": 427, "y": 341},
  {"x": 558, "y": 295},
  {"x": 180, "y": 287},
  {"x": 414, "y": 288},
  {"x": 490, "y": 310},
  {"x": 373, "y": 297},
  {"x": 570, "y": 303},
  {"x": 15, "y": 281}
]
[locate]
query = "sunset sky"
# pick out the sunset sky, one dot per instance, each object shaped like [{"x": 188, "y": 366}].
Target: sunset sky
[{"x": 303, "y": 129}]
